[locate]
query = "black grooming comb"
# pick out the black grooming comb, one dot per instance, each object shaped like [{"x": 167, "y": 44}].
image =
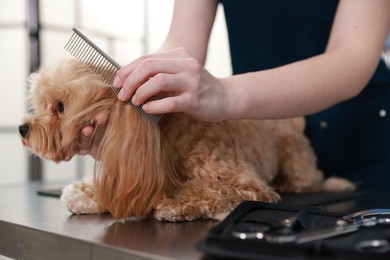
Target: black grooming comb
[{"x": 85, "y": 51}]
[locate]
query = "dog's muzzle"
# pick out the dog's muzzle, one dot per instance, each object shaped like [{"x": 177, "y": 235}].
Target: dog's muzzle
[{"x": 24, "y": 130}]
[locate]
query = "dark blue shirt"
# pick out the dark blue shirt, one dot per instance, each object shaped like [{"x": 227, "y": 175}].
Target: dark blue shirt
[{"x": 351, "y": 139}]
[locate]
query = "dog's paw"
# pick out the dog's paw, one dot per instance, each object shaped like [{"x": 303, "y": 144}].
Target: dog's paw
[
  {"x": 221, "y": 216},
  {"x": 170, "y": 210},
  {"x": 79, "y": 198}
]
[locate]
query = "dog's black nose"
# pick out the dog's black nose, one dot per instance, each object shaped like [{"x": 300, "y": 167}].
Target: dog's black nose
[{"x": 24, "y": 130}]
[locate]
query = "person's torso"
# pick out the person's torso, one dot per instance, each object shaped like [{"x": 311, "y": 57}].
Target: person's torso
[{"x": 351, "y": 139}]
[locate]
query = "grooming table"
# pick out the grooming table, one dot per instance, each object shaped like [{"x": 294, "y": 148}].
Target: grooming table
[{"x": 34, "y": 226}]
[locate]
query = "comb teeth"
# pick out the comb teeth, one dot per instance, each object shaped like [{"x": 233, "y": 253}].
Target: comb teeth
[{"x": 85, "y": 51}]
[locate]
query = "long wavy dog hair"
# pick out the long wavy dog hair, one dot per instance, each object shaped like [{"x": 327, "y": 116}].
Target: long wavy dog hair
[
  {"x": 134, "y": 165},
  {"x": 182, "y": 169},
  {"x": 134, "y": 171}
]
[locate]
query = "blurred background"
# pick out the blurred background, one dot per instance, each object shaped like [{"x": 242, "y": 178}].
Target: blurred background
[{"x": 34, "y": 33}]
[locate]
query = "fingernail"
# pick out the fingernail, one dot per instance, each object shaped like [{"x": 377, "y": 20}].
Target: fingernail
[
  {"x": 121, "y": 94},
  {"x": 86, "y": 132},
  {"x": 134, "y": 100},
  {"x": 116, "y": 81},
  {"x": 145, "y": 108}
]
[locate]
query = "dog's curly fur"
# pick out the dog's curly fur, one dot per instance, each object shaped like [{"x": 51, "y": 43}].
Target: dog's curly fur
[{"x": 180, "y": 169}]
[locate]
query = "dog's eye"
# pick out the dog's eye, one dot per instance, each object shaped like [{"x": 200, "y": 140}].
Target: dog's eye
[{"x": 60, "y": 107}]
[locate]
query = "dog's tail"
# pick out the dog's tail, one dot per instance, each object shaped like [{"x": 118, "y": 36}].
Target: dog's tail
[{"x": 336, "y": 184}]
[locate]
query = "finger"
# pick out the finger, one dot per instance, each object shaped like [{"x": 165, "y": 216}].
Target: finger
[
  {"x": 165, "y": 105},
  {"x": 87, "y": 131},
  {"x": 126, "y": 70},
  {"x": 101, "y": 119},
  {"x": 160, "y": 83},
  {"x": 148, "y": 69},
  {"x": 86, "y": 134}
]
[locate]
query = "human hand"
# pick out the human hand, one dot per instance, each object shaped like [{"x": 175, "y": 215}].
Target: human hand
[
  {"x": 186, "y": 86},
  {"x": 91, "y": 136}
]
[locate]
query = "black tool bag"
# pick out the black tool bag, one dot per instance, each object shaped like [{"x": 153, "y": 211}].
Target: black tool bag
[{"x": 224, "y": 239}]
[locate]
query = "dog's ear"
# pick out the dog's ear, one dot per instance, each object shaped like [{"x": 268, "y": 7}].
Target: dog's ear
[{"x": 133, "y": 172}]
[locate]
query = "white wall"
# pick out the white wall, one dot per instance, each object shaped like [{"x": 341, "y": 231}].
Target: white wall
[
  {"x": 13, "y": 72},
  {"x": 125, "y": 29}
]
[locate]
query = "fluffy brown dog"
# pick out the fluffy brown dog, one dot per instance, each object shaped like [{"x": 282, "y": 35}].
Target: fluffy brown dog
[{"x": 181, "y": 169}]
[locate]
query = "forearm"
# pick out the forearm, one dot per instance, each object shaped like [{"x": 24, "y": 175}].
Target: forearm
[
  {"x": 197, "y": 51},
  {"x": 190, "y": 28},
  {"x": 297, "y": 89}
]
